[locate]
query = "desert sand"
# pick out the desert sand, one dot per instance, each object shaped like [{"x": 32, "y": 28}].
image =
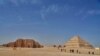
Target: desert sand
[{"x": 46, "y": 51}]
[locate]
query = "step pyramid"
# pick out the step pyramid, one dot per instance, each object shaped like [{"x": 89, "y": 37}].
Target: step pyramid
[{"x": 77, "y": 42}]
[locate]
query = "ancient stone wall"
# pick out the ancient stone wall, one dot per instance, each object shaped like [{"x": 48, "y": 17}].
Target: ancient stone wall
[{"x": 24, "y": 43}]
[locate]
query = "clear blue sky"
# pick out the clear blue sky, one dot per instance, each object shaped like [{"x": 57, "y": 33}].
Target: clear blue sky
[{"x": 50, "y": 21}]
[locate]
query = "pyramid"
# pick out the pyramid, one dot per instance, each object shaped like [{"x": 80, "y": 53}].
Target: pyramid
[{"x": 77, "y": 42}]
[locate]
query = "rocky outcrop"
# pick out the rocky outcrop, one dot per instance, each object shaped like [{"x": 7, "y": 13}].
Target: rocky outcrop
[{"x": 24, "y": 43}]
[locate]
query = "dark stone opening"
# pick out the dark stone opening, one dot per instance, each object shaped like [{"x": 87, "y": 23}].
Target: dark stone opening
[
  {"x": 89, "y": 52},
  {"x": 72, "y": 51},
  {"x": 77, "y": 51},
  {"x": 61, "y": 50},
  {"x": 92, "y": 52}
]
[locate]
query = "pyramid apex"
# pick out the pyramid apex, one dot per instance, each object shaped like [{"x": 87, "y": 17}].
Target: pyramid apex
[{"x": 76, "y": 37}]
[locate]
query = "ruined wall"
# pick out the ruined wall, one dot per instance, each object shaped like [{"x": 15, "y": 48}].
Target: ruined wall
[{"x": 24, "y": 43}]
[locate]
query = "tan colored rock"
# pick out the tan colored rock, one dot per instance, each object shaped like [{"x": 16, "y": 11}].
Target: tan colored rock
[
  {"x": 77, "y": 42},
  {"x": 77, "y": 45},
  {"x": 24, "y": 43}
]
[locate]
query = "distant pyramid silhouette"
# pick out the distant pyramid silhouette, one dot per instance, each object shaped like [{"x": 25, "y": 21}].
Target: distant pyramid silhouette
[{"x": 77, "y": 42}]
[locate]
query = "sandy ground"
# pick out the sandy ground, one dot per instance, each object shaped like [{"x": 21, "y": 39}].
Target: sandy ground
[{"x": 36, "y": 52}]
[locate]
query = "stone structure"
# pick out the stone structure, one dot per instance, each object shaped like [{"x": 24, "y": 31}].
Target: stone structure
[
  {"x": 24, "y": 43},
  {"x": 79, "y": 46},
  {"x": 77, "y": 42}
]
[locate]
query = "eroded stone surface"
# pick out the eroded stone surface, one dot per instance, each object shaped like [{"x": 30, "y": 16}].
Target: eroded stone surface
[{"x": 24, "y": 43}]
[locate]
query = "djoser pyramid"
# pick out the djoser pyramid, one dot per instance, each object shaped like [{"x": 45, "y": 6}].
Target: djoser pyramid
[{"x": 77, "y": 42}]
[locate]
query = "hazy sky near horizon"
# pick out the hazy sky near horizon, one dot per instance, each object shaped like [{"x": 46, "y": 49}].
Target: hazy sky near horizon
[{"x": 50, "y": 21}]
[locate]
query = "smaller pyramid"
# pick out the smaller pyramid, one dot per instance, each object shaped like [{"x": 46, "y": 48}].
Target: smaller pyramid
[{"x": 77, "y": 42}]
